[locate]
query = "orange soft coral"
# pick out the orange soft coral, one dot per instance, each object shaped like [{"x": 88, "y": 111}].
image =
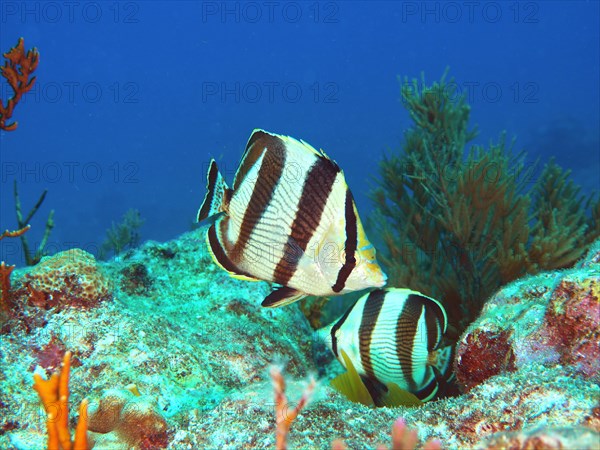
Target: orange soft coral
[{"x": 17, "y": 69}]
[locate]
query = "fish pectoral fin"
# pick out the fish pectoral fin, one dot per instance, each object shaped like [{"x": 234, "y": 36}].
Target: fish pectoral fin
[
  {"x": 351, "y": 385},
  {"x": 282, "y": 296}
]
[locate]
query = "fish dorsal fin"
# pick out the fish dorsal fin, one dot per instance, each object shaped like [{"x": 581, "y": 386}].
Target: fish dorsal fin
[
  {"x": 282, "y": 296},
  {"x": 259, "y": 141},
  {"x": 217, "y": 195}
]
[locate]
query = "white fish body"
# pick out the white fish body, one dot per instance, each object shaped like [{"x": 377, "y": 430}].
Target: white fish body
[
  {"x": 391, "y": 336},
  {"x": 289, "y": 218}
]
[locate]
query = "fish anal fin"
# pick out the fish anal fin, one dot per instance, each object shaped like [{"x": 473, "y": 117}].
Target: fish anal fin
[
  {"x": 282, "y": 296},
  {"x": 243, "y": 277}
]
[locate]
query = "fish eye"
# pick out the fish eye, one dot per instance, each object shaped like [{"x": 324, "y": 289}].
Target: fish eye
[{"x": 367, "y": 253}]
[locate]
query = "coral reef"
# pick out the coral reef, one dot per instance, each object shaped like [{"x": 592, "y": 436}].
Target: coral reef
[
  {"x": 69, "y": 278},
  {"x": 199, "y": 346},
  {"x": 403, "y": 438},
  {"x": 189, "y": 336},
  {"x": 546, "y": 319},
  {"x": 457, "y": 222},
  {"x": 17, "y": 70}
]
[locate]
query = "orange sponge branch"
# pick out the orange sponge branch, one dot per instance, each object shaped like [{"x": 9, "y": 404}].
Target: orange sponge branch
[
  {"x": 54, "y": 394},
  {"x": 6, "y": 303},
  {"x": 16, "y": 233},
  {"x": 17, "y": 70},
  {"x": 284, "y": 416}
]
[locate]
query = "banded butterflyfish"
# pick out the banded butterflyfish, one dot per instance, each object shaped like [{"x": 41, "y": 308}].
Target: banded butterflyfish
[
  {"x": 290, "y": 219},
  {"x": 393, "y": 337}
]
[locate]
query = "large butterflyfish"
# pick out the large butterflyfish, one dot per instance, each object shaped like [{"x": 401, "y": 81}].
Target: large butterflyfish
[{"x": 289, "y": 219}]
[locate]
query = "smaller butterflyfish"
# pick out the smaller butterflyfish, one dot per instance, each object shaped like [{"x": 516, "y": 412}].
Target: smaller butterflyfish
[
  {"x": 393, "y": 336},
  {"x": 290, "y": 219}
]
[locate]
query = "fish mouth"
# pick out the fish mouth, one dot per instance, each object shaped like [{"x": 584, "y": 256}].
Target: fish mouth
[
  {"x": 383, "y": 278},
  {"x": 376, "y": 274}
]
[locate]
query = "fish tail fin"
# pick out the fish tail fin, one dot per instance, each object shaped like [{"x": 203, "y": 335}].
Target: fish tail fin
[{"x": 218, "y": 194}]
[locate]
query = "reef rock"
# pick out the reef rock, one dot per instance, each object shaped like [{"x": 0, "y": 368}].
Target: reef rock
[
  {"x": 551, "y": 318},
  {"x": 198, "y": 345},
  {"x": 180, "y": 328}
]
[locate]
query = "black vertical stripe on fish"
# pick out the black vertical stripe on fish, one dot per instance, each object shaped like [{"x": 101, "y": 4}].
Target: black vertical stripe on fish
[
  {"x": 428, "y": 392},
  {"x": 433, "y": 320},
  {"x": 370, "y": 314},
  {"x": 351, "y": 244},
  {"x": 438, "y": 311},
  {"x": 219, "y": 253},
  {"x": 406, "y": 334},
  {"x": 336, "y": 327},
  {"x": 269, "y": 174},
  {"x": 259, "y": 140},
  {"x": 213, "y": 173},
  {"x": 317, "y": 186}
]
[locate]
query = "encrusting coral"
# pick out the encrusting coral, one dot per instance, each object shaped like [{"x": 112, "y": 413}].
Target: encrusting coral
[
  {"x": 17, "y": 70},
  {"x": 457, "y": 224},
  {"x": 135, "y": 419},
  {"x": 71, "y": 278},
  {"x": 547, "y": 319}
]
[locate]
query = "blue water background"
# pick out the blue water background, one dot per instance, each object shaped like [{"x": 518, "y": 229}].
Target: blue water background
[{"x": 134, "y": 98}]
